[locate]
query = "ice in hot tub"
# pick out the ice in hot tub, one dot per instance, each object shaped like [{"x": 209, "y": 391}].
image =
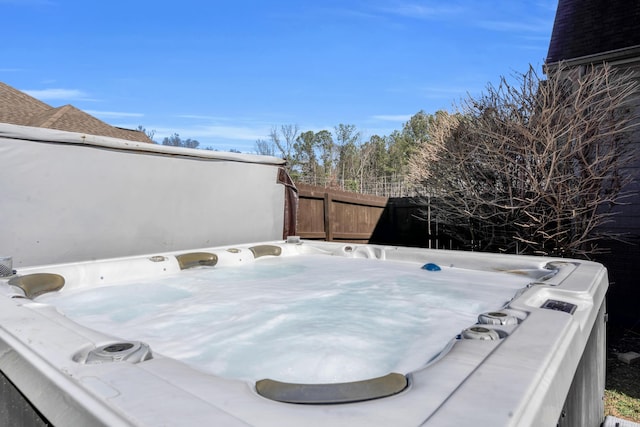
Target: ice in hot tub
[{"x": 301, "y": 319}]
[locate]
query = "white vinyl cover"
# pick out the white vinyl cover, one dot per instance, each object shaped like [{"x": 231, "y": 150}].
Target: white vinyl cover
[{"x": 68, "y": 197}]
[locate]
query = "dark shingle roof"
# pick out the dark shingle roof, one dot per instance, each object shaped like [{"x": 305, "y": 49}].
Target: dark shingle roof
[
  {"x": 590, "y": 27},
  {"x": 18, "y": 108}
]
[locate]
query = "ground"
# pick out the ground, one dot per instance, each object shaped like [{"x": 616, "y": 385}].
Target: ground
[{"x": 622, "y": 394}]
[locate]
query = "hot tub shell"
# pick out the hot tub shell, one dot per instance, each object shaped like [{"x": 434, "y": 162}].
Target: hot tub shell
[{"x": 547, "y": 368}]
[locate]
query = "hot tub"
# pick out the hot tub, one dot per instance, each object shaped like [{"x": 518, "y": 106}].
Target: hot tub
[{"x": 292, "y": 333}]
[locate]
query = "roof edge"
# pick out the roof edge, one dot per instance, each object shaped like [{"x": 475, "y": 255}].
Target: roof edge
[{"x": 613, "y": 57}]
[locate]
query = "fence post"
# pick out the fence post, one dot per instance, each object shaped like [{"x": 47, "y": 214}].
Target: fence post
[{"x": 328, "y": 226}]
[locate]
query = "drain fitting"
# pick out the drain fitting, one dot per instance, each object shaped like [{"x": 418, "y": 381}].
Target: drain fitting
[{"x": 127, "y": 351}]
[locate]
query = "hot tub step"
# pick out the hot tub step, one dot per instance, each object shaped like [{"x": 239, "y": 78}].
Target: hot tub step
[
  {"x": 629, "y": 357},
  {"x": 611, "y": 421}
]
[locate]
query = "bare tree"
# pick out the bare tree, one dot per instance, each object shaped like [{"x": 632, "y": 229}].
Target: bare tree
[
  {"x": 348, "y": 144},
  {"x": 264, "y": 148},
  {"x": 535, "y": 166},
  {"x": 284, "y": 140},
  {"x": 150, "y": 133},
  {"x": 328, "y": 156},
  {"x": 175, "y": 141},
  {"x": 305, "y": 147}
]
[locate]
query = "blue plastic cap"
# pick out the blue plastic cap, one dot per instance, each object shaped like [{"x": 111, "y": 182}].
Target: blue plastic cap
[{"x": 431, "y": 267}]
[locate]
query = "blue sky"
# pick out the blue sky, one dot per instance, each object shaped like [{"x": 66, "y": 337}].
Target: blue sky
[{"x": 225, "y": 73}]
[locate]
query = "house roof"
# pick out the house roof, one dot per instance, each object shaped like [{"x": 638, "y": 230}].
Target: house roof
[
  {"x": 590, "y": 27},
  {"x": 18, "y": 108}
]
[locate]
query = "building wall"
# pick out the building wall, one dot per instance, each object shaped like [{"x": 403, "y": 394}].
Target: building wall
[{"x": 623, "y": 261}]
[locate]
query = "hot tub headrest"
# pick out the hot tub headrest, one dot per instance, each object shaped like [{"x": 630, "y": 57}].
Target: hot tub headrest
[
  {"x": 263, "y": 250},
  {"x": 196, "y": 259},
  {"x": 37, "y": 284},
  {"x": 355, "y": 391}
]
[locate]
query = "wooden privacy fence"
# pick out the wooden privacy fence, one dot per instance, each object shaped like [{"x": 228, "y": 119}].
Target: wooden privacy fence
[{"x": 335, "y": 215}]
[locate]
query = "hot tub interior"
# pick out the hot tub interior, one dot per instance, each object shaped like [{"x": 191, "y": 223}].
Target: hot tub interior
[{"x": 302, "y": 318}]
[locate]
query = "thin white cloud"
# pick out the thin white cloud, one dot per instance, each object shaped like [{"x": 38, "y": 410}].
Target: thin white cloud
[
  {"x": 28, "y": 2},
  {"x": 202, "y": 117},
  {"x": 236, "y": 132},
  {"x": 52, "y": 94},
  {"x": 113, "y": 114},
  {"x": 352, "y": 13},
  {"x": 548, "y": 5},
  {"x": 435, "y": 92},
  {"x": 242, "y": 133},
  {"x": 514, "y": 26},
  {"x": 392, "y": 117},
  {"x": 420, "y": 11},
  {"x": 472, "y": 13}
]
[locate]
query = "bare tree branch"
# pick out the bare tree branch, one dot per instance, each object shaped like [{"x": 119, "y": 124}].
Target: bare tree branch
[{"x": 534, "y": 166}]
